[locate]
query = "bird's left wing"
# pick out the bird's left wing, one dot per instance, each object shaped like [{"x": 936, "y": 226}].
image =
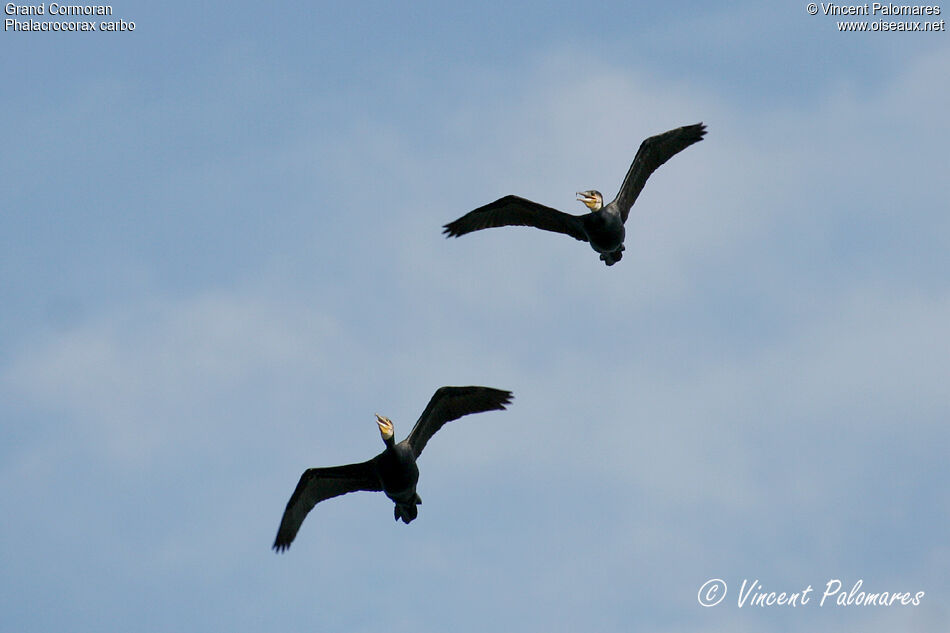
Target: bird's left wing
[
  {"x": 319, "y": 484},
  {"x": 517, "y": 211},
  {"x": 451, "y": 403},
  {"x": 653, "y": 152}
]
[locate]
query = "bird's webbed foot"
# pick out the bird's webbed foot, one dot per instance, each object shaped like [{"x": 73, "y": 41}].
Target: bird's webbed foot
[
  {"x": 406, "y": 512},
  {"x": 612, "y": 257}
]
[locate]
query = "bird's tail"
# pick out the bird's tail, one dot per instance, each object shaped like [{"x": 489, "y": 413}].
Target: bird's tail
[{"x": 407, "y": 511}]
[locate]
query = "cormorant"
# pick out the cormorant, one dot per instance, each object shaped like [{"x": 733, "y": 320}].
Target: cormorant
[
  {"x": 393, "y": 471},
  {"x": 603, "y": 226}
]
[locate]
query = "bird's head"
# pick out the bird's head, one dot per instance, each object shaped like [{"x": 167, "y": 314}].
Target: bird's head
[
  {"x": 386, "y": 428},
  {"x": 592, "y": 199}
]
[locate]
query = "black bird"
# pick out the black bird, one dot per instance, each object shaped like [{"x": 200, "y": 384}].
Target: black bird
[
  {"x": 393, "y": 471},
  {"x": 603, "y": 227}
]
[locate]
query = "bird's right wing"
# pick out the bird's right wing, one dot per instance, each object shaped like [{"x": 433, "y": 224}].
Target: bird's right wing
[
  {"x": 319, "y": 484},
  {"x": 451, "y": 403},
  {"x": 653, "y": 152},
  {"x": 517, "y": 211}
]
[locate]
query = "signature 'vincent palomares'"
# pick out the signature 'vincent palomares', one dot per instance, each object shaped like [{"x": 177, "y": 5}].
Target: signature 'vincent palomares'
[
  {"x": 393, "y": 471},
  {"x": 603, "y": 227}
]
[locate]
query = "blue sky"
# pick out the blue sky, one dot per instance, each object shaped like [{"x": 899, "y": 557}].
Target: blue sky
[{"x": 220, "y": 255}]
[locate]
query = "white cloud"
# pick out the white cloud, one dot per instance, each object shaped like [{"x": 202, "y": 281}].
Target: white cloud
[{"x": 135, "y": 380}]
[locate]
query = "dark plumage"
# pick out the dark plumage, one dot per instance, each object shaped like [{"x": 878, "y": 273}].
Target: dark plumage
[
  {"x": 603, "y": 227},
  {"x": 393, "y": 471}
]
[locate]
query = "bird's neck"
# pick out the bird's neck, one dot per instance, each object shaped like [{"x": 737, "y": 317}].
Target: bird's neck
[{"x": 597, "y": 207}]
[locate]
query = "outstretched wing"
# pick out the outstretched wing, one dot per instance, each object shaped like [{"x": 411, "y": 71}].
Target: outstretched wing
[
  {"x": 517, "y": 211},
  {"x": 319, "y": 484},
  {"x": 451, "y": 403},
  {"x": 653, "y": 152}
]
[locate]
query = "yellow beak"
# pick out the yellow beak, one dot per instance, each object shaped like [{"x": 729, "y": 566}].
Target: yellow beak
[{"x": 385, "y": 426}]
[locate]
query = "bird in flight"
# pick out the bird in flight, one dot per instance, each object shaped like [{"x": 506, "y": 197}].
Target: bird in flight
[
  {"x": 603, "y": 227},
  {"x": 393, "y": 471}
]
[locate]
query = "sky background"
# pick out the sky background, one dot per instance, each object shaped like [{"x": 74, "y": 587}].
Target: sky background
[{"x": 220, "y": 255}]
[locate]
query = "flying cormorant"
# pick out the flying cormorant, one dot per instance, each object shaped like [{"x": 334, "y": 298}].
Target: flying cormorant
[
  {"x": 393, "y": 471},
  {"x": 603, "y": 226}
]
